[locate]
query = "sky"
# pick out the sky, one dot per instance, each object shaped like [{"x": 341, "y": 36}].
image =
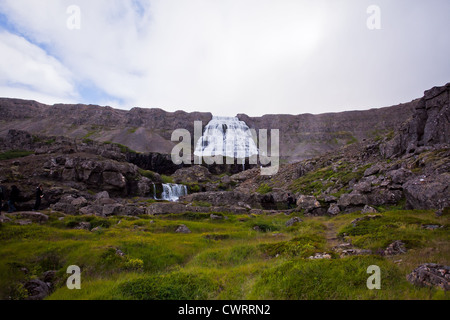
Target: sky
[{"x": 224, "y": 56}]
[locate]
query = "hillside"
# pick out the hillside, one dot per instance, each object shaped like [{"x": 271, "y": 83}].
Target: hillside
[
  {"x": 149, "y": 130},
  {"x": 308, "y": 232}
]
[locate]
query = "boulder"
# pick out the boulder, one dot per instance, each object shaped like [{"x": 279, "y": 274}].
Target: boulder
[
  {"x": 399, "y": 176},
  {"x": 363, "y": 187},
  {"x": 194, "y": 174},
  {"x": 333, "y": 209},
  {"x": 431, "y": 275},
  {"x": 397, "y": 247},
  {"x": 352, "y": 199},
  {"x": 307, "y": 203},
  {"x": 33, "y": 216},
  {"x": 368, "y": 209},
  {"x": 428, "y": 192},
  {"x": 102, "y": 195},
  {"x": 83, "y": 226},
  {"x": 372, "y": 170},
  {"x": 293, "y": 221},
  {"x": 37, "y": 289},
  {"x": 183, "y": 229}
]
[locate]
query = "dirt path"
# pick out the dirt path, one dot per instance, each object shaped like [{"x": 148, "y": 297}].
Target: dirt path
[{"x": 331, "y": 235}]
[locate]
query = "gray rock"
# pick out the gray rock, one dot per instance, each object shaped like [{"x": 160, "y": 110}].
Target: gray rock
[
  {"x": 399, "y": 176},
  {"x": 428, "y": 192},
  {"x": 352, "y": 199},
  {"x": 431, "y": 275},
  {"x": 102, "y": 195},
  {"x": 308, "y": 202},
  {"x": 333, "y": 209},
  {"x": 368, "y": 209},
  {"x": 363, "y": 187},
  {"x": 372, "y": 170},
  {"x": 397, "y": 247},
  {"x": 183, "y": 229},
  {"x": 293, "y": 221},
  {"x": 83, "y": 226},
  {"x": 37, "y": 289},
  {"x": 215, "y": 217}
]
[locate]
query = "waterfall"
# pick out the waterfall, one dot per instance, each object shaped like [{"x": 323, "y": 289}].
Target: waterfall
[
  {"x": 172, "y": 192},
  {"x": 226, "y": 136}
]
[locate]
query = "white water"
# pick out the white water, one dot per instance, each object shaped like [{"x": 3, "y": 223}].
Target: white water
[
  {"x": 228, "y": 137},
  {"x": 171, "y": 192}
]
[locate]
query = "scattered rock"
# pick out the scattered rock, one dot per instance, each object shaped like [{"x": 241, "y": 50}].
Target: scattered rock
[
  {"x": 293, "y": 221},
  {"x": 354, "y": 252},
  {"x": 120, "y": 253},
  {"x": 4, "y": 219},
  {"x": 333, "y": 209},
  {"x": 372, "y": 170},
  {"x": 49, "y": 277},
  {"x": 183, "y": 229},
  {"x": 363, "y": 187},
  {"x": 215, "y": 217},
  {"x": 397, "y": 247},
  {"x": 399, "y": 176},
  {"x": 431, "y": 275},
  {"x": 320, "y": 256},
  {"x": 83, "y": 226},
  {"x": 307, "y": 203},
  {"x": 102, "y": 195},
  {"x": 368, "y": 209},
  {"x": 431, "y": 226},
  {"x": 23, "y": 222},
  {"x": 96, "y": 229},
  {"x": 37, "y": 289},
  {"x": 352, "y": 199}
]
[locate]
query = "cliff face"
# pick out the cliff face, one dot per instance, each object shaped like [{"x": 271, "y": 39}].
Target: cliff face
[
  {"x": 430, "y": 125},
  {"x": 306, "y": 136},
  {"x": 143, "y": 130},
  {"x": 149, "y": 130}
]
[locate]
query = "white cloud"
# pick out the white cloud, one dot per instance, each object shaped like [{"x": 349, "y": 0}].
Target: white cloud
[
  {"x": 228, "y": 57},
  {"x": 26, "y": 68}
]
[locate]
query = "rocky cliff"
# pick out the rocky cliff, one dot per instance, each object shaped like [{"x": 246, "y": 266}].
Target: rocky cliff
[{"x": 149, "y": 130}]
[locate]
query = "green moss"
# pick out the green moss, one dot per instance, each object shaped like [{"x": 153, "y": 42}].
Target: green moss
[
  {"x": 14, "y": 154},
  {"x": 173, "y": 286},
  {"x": 264, "y": 189},
  {"x": 166, "y": 179}
]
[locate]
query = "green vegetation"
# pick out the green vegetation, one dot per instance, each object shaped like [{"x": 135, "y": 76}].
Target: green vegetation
[
  {"x": 147, "y": 173},
  {"x": 123, "y": 148},
  {"x": 14, "y": 154},
  {"x": 316, "y": 182},
  {"x": 221, "y": 259},
  {"x": 264, "y": 188},
  {"x": 166, "y": 179}
]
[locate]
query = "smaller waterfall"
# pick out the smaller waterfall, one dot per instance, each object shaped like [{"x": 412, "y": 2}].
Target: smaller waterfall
[{"x": 171, "y": 192}]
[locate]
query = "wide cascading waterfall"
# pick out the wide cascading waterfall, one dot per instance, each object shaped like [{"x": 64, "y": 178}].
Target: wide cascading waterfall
[
  {"x": 172, "y": 192},
  {"x": 228, "y": 137}
]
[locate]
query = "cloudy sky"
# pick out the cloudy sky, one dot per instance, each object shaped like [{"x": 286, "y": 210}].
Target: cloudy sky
[{"x": 224, "y": 56}]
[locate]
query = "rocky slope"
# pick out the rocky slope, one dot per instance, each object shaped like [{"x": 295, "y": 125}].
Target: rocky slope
[
  {"x": 149, "y": 130},
  {"x": 405, "y": 168}
]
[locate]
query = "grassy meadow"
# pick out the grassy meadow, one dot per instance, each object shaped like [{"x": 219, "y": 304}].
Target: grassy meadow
[{"x": 222, "y": 259}]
